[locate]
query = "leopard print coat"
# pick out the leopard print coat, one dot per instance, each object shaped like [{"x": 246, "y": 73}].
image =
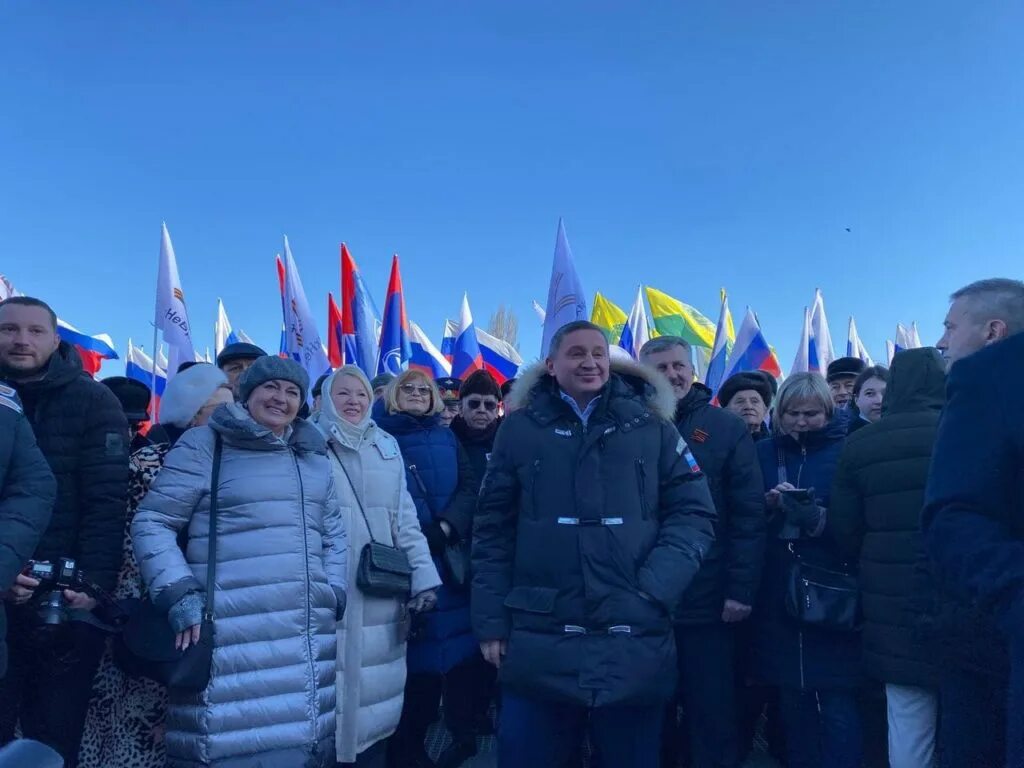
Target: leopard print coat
[{"x": 125, "y": 724}]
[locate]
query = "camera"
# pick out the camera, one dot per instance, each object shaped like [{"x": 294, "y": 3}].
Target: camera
[{"x": 54, "y": 578}]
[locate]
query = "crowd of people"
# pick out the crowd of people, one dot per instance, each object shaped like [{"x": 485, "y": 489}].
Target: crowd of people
[{"x": 603, "y": 562}]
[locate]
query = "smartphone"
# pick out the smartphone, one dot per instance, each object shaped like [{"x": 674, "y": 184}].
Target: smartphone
[{"x": 798, "y": 494}]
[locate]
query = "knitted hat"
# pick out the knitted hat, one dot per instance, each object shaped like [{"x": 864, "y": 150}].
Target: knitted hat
[
  {"x": 758, "y": 381},
  {"x": 240, "y": 350},
  {"x": 319, "y": 386},
  {"x": 479, "y": 383},
  {"x": 188, "y": 391},
  {"x": 845, "y": 367},
  {"x": 269, "y": 368},
  {"x": 449, "y": 388},
  {"x": 381, "y": 380},
  {"x": 133, "y": 396}
]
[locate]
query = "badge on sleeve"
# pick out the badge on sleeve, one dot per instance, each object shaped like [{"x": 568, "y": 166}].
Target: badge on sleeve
[
  {"x": 9, "y": 398},
  {"x": 684, "y": 450}
]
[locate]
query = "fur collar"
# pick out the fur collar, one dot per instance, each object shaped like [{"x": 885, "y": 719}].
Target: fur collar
[{"x": 657, "y": 391}]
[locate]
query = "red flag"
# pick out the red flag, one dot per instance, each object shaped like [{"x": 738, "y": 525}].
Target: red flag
[{"x": 334, "y": 345}]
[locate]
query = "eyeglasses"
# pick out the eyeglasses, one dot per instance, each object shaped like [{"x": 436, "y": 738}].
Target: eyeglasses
[
  {"x": 412, "y": 389},
  {"x": 475, "y": 404}
]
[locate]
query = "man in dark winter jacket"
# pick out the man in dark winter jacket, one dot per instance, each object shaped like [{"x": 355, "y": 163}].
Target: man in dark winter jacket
[
  {"x": 974, "y": 518},
  {"x": 722, "y": 593},
  {"x": 875, "y": 516},
  {"x": 27, "y": 492},
  {"x": 83, "y": 433},
  {"x": 593, "y": 520}
]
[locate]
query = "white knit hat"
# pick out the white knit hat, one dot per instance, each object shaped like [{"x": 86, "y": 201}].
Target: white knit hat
[{"x": 188, "y": 391}]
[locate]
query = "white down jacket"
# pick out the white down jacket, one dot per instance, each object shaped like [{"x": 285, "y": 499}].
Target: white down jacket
[
  {"x": 281, "y": 572},
  {"x": 371, "y": 638}
]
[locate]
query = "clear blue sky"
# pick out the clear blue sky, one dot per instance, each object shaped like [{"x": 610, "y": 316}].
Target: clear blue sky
[{"x": 689, "y": 145}]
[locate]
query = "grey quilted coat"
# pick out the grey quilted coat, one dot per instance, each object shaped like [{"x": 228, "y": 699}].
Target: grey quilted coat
[{"x": 281, "y": 572}]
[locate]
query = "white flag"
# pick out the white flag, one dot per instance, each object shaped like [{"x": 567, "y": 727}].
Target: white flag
[
  {"x": 566, "y": 299},
  {"x": 303, "y": 343},
  {"x": 171, "y": 315},
  {"x": 821, "y": 350},
  {"x": 802, "y": 362}
]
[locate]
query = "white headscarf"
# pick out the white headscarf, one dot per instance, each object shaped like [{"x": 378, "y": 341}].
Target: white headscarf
[{"x": 332, "y": 424}]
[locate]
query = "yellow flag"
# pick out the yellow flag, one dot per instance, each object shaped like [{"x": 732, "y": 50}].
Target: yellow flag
[
  {"x": 608, "y": 317},
  {"x": 674, "y": 318}
]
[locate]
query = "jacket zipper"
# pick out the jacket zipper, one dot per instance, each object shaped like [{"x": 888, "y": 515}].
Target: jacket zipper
[
  {"x": 309, "y": 611},
  {"x": 800, "y": 632},
  {"x": 641, "y": 479},
  {"x": 533, "y": 486},
  {"x": 800, "y": 640}
]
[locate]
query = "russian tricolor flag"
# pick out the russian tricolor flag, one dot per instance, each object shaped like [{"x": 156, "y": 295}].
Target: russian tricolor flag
[
  {"x": 92, "y": 349},
  {"x": 466, "y": 355},
  {"x": 501, "y": 359},
  {"x": 425, "y": 356},
  {"x": 139, "y": 366},
  {"x": 751, "y": 352}
]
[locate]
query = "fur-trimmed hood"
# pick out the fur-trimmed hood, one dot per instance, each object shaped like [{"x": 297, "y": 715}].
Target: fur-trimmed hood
[{"x": 647, "y": 383}]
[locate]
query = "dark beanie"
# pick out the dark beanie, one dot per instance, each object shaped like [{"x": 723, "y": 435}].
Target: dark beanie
[
  {"x": 240, "y": 350},
  {"x": 479, "y": 383},
  {"x": 758, "y": 381},
  {"x": 270, "y": 368},
  {"x": 845, "y": 367}
]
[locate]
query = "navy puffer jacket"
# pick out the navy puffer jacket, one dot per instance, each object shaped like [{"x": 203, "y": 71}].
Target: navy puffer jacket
[
  {"x": 443, "y": 486},
  {"x": 784, "y": 652}
]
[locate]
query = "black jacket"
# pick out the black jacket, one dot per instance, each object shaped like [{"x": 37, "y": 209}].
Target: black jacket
[
  {"x": 83, "y": 433},
  {"x": 27, "y": 492},
  {"x": 585, "y": 540},
  {"x": 477, "y": 444},
  {"x": 877, "y": 499},
  {"x": 725, "y": 452}
]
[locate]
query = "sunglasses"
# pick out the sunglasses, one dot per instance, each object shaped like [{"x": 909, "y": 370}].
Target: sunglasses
[
  {"x": 412, "y": 389},
  {"x": 476, "y": 404}
]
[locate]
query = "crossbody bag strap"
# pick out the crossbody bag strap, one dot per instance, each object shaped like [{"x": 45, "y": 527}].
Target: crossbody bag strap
[
  {"x": 211, "y": 554},
  {"x": 423, "y": 488},
  {"x": 359, "y": 502}
]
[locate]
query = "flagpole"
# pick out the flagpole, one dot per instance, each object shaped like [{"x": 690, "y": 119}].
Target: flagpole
[{"x": 152, "y": 386}]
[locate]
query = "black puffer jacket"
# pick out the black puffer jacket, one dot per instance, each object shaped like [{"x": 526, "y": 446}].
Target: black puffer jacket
[
  {"x": 27, "y": 492},
  {"x": 877, "y": 498},
  {"x": 585, "y": 539},
  {"x": 477, "y": 444},
  {"x": 722, "y": 445},
  {"x": 83, "y": 433}
]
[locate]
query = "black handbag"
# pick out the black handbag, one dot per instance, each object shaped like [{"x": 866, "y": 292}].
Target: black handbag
[
  {"x": 816, "y": 594},
  {"x": 383, "y": 570},
  {"x": 454, "y": 557},
  {"x": 145, "y": 647}
]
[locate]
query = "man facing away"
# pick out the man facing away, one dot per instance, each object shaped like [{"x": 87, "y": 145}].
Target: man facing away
[
  {"x": 83, "y": 433},
  {"x": 593, "y": 520}
]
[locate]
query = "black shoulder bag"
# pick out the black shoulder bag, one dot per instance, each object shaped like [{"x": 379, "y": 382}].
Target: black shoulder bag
[
  {"x": 454, "y": 559},
  {"x": 817, "y": 595},
  {"x": 383, "y": 571},
  {"x": 145, "y": 647}
]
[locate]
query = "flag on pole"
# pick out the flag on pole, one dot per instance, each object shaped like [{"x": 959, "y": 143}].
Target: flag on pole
[
  {"x": 637, "y": 330},
  {"x": 905, "y": 338},
  {"x": 360, "y": 319},
  {"x": 674, "y": 318},
  {"x": 890, "y": 350},
  {"x": 854, "y": 346},
  {"x": 751, "y": 351},
  {"x": 451, "y": 330},
  {"x": 501, "y": 359},
  {"x": 821, "y": 350},
  {"x": 609, "y": 317},
  {"x": 395, "y": 350},
  {"x": 222, "y": 331},
  {"x": 93, "y": 350},
  {"x": 303, "y": 342},
  {"x": 802, "y": 362},
  {"x": 566, "y": 300},
  {"x": 171, "y": 315},
  {"x": 915, "y": 337},
  {"x": 725, "y": 335},
  {"x": 466, "y": 355},
  {"x": 425, "y": 356},
  {"x": 244, "y": 337},
  {"x": 139, "y": 366},
  {"x": 335, "y": 340}
]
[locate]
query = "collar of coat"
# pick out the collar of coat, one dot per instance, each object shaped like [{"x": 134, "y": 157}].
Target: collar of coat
[
  {"x": 64, "y": 366},
  {"x": 239, "y": 430},
  {"x": 632, "y": 390}
]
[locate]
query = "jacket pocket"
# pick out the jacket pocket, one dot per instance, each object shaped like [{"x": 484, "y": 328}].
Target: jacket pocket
[
  {"x": 531, "y": 599},
  {"x": 641, "y": 483}
]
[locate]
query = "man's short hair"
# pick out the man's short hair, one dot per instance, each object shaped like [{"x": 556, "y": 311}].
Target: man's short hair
[
  {"x": 998, "y": 298},
  {"x": 664, "y": 344},
  {"x": 565, "y": 330},
  {"x": 30, "y": 301}
]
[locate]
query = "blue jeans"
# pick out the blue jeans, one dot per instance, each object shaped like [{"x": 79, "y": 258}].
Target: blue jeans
[
  {"x": 534, "y": 733},
  {"x": 822, "y": 728}
]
